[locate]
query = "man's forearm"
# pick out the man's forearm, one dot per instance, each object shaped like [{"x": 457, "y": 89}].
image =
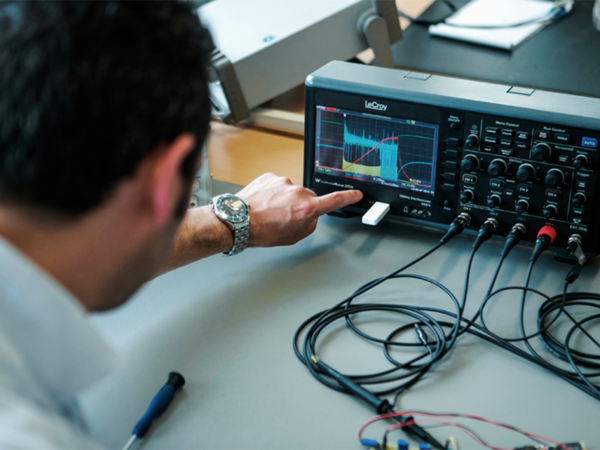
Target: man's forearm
[
  {"x": 200, "y": 235},
  {"x": 280, "y": 214}
]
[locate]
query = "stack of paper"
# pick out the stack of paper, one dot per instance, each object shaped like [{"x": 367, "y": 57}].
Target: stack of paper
[{"x": 493, "y": 13}]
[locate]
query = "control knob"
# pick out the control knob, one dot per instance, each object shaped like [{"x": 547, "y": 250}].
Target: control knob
[
  {"x": 525, "y": 173},
  {"x": 521, "y": 206},
  {"x": 472, "y": 141},
  {"x": 550, "y": 211},
  {"x": 467, "y": 195},
  {"x": 580, "y": 162},
  {"x": 541, "y": 152},
  {"x": 494, "y": 200},
  {"x": 579, "y": 200},
  {"x": 497, "y": 167},
  {"x": 554, "y": 178},
  {"x": 470, "y": 163}
]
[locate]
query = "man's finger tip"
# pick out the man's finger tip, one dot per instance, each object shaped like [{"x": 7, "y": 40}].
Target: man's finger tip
[{"x": 358, "y": 195}]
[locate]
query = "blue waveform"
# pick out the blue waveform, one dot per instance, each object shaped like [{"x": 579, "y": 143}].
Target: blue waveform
[{"x": 385, "y": 155}]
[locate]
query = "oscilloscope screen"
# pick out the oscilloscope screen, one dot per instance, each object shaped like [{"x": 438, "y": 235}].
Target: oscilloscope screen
[{"x": 376, "y": 149}]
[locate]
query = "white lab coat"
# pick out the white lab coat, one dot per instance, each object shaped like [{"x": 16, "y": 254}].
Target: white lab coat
[{"x": 49, "y": 352}]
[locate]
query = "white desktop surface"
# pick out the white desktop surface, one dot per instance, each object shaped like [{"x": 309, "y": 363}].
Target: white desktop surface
[{"x": 227, "y": 324}]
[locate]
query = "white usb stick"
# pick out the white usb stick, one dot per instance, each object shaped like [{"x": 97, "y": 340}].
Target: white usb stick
[{"x": 375, "y": 213}]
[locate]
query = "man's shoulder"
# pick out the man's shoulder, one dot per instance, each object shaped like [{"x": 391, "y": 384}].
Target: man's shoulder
[
  {"x": 29, "y": 417},
  {"x": 26, "y": 425}
]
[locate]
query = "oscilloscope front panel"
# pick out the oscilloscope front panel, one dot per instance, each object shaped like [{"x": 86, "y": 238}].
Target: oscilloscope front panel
[{"x": 433, "y": 147}]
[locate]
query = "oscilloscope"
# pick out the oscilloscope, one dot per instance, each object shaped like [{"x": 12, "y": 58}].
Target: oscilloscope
[{"x": 432, "y": 147}]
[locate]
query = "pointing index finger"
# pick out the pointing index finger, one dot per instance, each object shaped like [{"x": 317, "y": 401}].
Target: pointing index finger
[{"x": 336, "y": 200}]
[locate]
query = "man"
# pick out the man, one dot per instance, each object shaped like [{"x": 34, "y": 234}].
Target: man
[{"x": 103, "y": 110}]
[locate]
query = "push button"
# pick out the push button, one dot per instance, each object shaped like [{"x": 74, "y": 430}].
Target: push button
[
  {"x": 553, "y": 194},
  {"x": 541, "y": 134},
  {"x": 509, "y": 193},
  {"x": 581, "y": 184},
  {"x": 452, "y": 153},
  {"x": 564, "y": 159},
  {"x": 489, "y": 149},
  {"x": 506, "y": 142},
  {"x": 507, "y": 132},
  {"x": 562, "y": 137},
  {"x": 522, "y": 145},
  {"x": 589, "y": 142},
  {"x": 453, "y": 142},
  {"x": 469, "y": 179},
  {"x": 524, "y": 189},
  {"x": 491, "y": 130},
  {"x": 522, "y": 135},
  {"x": 507, "y": 151},
  {"x": 497, "y": 183},
  {"x": 451, "y": 164},
  {"x": 448, "y": 187},
  {"x": 490, "y": 140},
  {"x": 448, "y": 176}
]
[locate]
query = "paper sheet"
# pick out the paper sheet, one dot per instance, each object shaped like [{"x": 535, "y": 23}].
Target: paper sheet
[{"x": 495, "y": 13}]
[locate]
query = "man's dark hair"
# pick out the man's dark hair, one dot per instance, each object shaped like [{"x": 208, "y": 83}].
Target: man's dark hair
[{"x": 88, "y": 89}]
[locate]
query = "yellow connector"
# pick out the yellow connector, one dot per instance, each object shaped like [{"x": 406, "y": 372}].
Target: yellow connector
[{"x": 395, "y": 447}]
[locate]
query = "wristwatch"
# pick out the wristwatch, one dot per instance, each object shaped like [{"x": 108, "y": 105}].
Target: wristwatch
[{"x": 234, "y": 212}]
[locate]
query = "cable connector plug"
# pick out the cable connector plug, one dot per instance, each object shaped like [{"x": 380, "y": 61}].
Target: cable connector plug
[
  {"x": 380, "y": 406},
  {"x": 514, "y": 237},
  {"x": 545, "y": 238},
  {"x": 486, "y": 231},
  {"x": 370, "y": 443},
  {"x": 421, "y": 335},
  {"x": 457, "y": 226},
  {"x": 574, "y": 273},
  {"x": 574, "y": 249}
]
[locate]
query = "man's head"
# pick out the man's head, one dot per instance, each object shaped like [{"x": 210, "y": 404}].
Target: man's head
[
  {"x": 103, "y": 109},
  {"x": 89, "y": 89}
]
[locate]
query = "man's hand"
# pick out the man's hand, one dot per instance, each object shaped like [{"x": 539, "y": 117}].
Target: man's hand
[
  {"x": 283, "y": 214},
  {"x": 280, "y": 214}
]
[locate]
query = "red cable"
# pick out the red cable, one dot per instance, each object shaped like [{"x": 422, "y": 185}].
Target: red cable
[
  {"x": 468, "y": 416},
  {"x": 451, "y": 424}
]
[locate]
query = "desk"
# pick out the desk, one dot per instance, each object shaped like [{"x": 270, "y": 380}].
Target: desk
[{"x": 227, "y": 324}]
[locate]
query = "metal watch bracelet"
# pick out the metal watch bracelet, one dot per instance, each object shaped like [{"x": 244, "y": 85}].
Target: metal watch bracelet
[{"x": 240, "y": 240}]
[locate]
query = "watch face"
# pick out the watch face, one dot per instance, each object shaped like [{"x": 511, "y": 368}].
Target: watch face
[{"x": 232, "y": 209}]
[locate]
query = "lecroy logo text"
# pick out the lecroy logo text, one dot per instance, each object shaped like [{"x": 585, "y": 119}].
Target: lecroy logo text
[{"x": 375, "y": 105}]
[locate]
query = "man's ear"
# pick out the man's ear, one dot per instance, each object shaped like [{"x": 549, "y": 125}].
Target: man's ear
[{"x": 167, "y": 182}]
